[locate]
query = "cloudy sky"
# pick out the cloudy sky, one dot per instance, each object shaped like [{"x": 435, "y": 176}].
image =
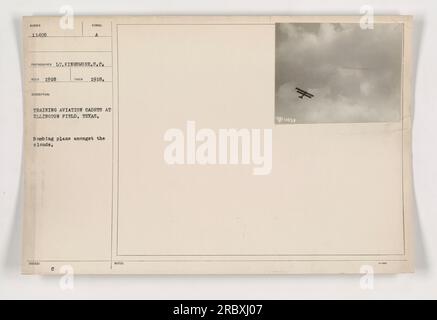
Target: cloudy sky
[{"x": 354, "y": 74}]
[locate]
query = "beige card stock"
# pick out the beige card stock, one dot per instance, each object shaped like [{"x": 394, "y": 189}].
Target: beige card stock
[{"x": 217, "y": 145}]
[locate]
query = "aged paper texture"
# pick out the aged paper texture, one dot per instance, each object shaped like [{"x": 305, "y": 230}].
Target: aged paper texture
[{"x": 217, "y": 145}]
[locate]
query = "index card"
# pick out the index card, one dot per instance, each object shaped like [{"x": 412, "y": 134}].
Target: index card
[{"x": 217, "y": 145}]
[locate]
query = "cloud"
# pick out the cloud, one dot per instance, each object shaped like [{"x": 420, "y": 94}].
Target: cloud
[{"x": 355, "y": 74}]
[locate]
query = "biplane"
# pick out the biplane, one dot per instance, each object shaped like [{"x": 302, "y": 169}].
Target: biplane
[{"x": 304, "y": 93}]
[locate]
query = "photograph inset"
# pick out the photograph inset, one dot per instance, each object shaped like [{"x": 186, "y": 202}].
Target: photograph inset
[{"x": 338, "y": 73}]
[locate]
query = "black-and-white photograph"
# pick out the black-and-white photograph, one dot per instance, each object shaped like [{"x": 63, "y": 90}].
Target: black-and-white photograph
[{"x": 338, "y": 73}]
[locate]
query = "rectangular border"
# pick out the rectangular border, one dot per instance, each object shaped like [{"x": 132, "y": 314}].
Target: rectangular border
[{"x": 274, "y": 23}]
